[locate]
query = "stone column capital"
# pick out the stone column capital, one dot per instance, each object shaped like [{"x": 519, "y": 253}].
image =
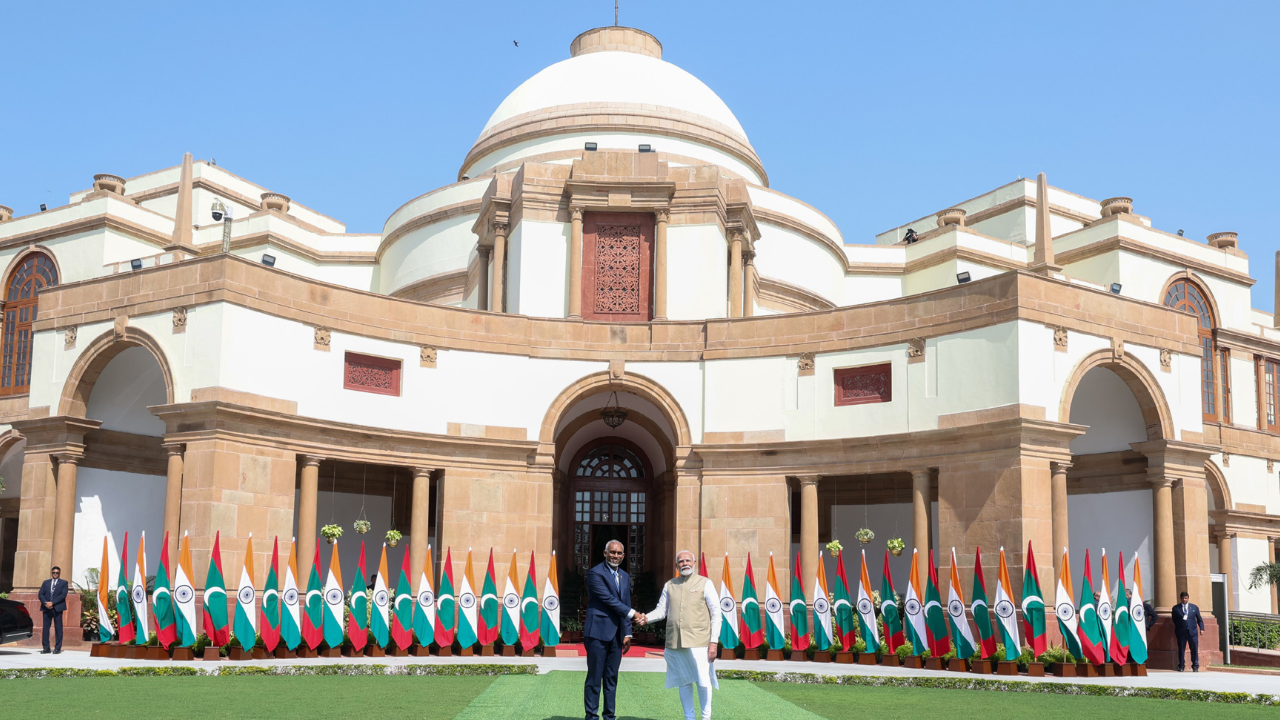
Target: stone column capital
[
  {"x": 1059, "y": 467},
  {"x": 808, "y": 479},
  {"x": 748, "y": 257},
  {"x": 174, "y": 448},
  {"x": 68, "y": 457},
  {"x": 1225, "y": 534},
  {"x": 422, "y": 472},
  {"x": 662, "y": 214},
  {"x": 501, "y": 228},
  {"x": 576, "y": 212},
  {"x": 484, "y": 251},
  {"x": 922, "y": 473},
  {"x": 312, "y": 460},
  {"x": 1159, "y": 480}
]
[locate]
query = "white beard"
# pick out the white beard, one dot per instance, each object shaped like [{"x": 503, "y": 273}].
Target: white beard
[{"x": 686, "y": 572}]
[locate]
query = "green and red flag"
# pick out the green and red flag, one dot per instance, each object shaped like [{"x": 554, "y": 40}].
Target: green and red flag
[
  {"x": 245, "y": 627},
  {"x": 510, "y": 620},
  {"x": 1064, "y": 608},
  {"x": 1106, "y": 611},
  {"x": 105, "y": 630},
  {"x": 162, "y": 600},
  {"x": 358, "y": 616},
  {"x": 773, "y": 609},
  {"x": 333, "y": 602},
  {"x": 846, "y": 625},
  {"x": 1122, "y": 632},
  {"x": 270, "y": 612},
  {"x": 1006, "y": 613},
  {"x": 981, "y": 611},
  {"x": 468, "y": 622},
  {"x": 313, "y": 606},
  {"x": 889, "y": 610},
  {"x": 867, "y": 610},
  {"x": 446, "y": 604},
  {"x": 184, "y": 596},
  {"x": 702, "y": 566},
  {"x": 728, "y": 609},
  {"x": 489, "y": 623},
  {"x": 799, "y": 611},
  {"x": 138, "y": 594},
  {"x": 127, "y": 629},
  {"x": 916, "y": 631},
  {"x": 215, "y": 599},
  {"x": 1092, "y": 642},
  {"x": 550, "y": 626},
  {"x": 935, "y": 617},
  {"x": 529, "y": 609},
  {"x": 1137, "y": 614},
  {"x": 380, "y": 623},
  {"x": 961, "y": 634},
  {"x": 749, "y": 628},
  {"x": 821, "y": 609},
  {"x": 1033, "y": 627},
  {"x": 290, "y": 611},
  {"x": 424, "y": 606},
  {"x": 402, "y": 618}
]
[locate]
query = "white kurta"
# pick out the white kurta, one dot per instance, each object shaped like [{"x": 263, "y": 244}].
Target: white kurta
[{"x": 689, "y": 666}]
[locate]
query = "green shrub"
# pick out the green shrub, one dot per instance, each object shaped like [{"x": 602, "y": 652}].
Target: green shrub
[{"x": 1262, "y": 634}]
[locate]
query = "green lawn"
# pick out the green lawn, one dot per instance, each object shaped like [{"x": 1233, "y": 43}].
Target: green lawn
[{"x": 554, "y": 696}]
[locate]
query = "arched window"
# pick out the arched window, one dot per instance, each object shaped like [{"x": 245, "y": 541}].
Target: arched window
[
  {"x": 20, "y": 297},
  {"x": 1185, "y": 296},
  {"x": 610, "y": 461}
]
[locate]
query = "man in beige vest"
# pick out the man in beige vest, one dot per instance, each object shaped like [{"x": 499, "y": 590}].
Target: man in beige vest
[{"x": 692, "y": 610}]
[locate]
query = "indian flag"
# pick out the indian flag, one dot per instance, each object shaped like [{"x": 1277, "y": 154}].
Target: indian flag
[
  {"x": 488, "y": 622},
  {"x": 127, "y": 629},
  {"x": 333, "y": 602},
  {"x": 1006, "y": 613},
  {"x": 380, "y": 624},
  {"x": 162, "y": 600},
  {"x": 1137, "y": 613},
  {"x": 313, "y": 606},
  {"x": 468, "y": 622},
  {"x": 1090, "y": 629},
  {"x": 446, "y": 604},
  {"x": 246, "y": 626},
  {"x": 291, "y": 613},
  {"x": 105, "y": 629},
  {"x": 916, "y": 632},
  {"x": 867, "y": 610},
  {"x": 1106, "y": 613},
  {"x": 511, "y": 605},
  {"x": 551, "y": 606},
  {"x": 889, "y": 611},
  {"x": 774, "y": 634},
  {"x": 215, "y": 599},
  {"x": 799, "y": 611},
  {"x": 935, "y": 617},
  {"x": 821, "y": 608},
  {"x": 184, "y": 596},
  {"x": 749, "y": 629},
  {"x": 138, "y": 594},
  {"x": 846, "y": 626},
  {"x": 981, "y": 611},
  {"x": 961, "y": 635},
  {"x": 728, "y": 609},
  {"x": 358, "y": 617},
  {"x": 1033, "y": 607},
  {"x": 1065, "y": 609},
  {"x": 424, "y": 607},
  {"x": 529, "y": 609},
  {"x": 402, "y": 618},
  {"x": 1123, "y": 622},
  {"x": 270, "y": 612}
]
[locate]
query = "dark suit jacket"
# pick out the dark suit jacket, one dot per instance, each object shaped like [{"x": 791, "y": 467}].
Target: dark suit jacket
[
  {"x": 608, "y": 604},
  {"x": 56, "y": 596},
  {"x": 1185, "y": 625}
]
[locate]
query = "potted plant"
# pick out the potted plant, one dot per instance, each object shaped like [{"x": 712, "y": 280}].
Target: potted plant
[
  {"x": 865, "y": 535},
  {"x": 835, "y": 548},
  {"x": 896, "y": 545},
  {"x": 362, "y": 526},
  {"x": 331, "y": 533},
  {"x": 393, "y": 537}
]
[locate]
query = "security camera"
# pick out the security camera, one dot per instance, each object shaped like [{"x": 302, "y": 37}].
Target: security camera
[
  {"x": 217, "y": 216},
  {"x": 218, "y": 210}
]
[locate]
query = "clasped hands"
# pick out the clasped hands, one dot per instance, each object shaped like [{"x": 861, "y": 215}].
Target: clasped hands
[{"x": 640, "y": 618}]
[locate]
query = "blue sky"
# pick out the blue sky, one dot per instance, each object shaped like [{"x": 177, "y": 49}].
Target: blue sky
[{"x": 876, "y": 113}]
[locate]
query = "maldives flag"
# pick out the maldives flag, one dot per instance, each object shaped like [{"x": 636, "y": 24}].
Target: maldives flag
[
  {"x": 749, "y": 629},
  {"x": 380, "y": 624},
  {"x": 488, "y": 622},
  {"x": 245, "y": 626},
  {"x": 313, "y": 606},
  {"x": 961, "y": 635},
  {"x": 1137, "y": 614},
  {"x": 979, "y": 608},
  {"x": 1123, "y": 630},
  {"x": 184, "y": 596},
  {"x": 105, "y": 629},
  {"x": 446, "y": 604},
  {"x": 916, "y": 631},
  {"x": 468, "y": 622},
  {"x": 1033, "y": 627},
  {"x": 1064, "y": 608},
  {"x": 550, "y": 627},
  {"x": 291, "y": 613},
  {"x": 889, "y": 611},
  {"x": 127, "y": 630},
  {"x": 1006, "y": 613},
  {"x": 1090, "y": 629},
  {"x": 424, "y": 607},
  {"x": 702, "y": 566},
  {"x": 529, "y": 609},
  {"x": 358, "y": 617},
  {"x": 728, "y": 609},
  {"x": 799, "y": 611},
  {"x": 270, "y": 612},
  {"x": 774, "y": 635},
  {"x": 510, "y": 620},
  {"x": 138, "y": 594},
  {"x": 402, "y": 618},
  {"x": 867, "y": 610},
  {"x": 215, "y": 599},
  {"x": 1105, "y": 609},
  {"x": 821, "y": 609},
  {"x": 846, "y": 626},
  {"x": 162, "y": 600},
  {"x": 333, "y": 603},
  {"x": 935, "y": 618}
]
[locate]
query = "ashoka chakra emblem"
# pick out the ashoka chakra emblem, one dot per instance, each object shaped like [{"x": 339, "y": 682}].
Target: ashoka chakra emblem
[
  {"x": 511, "y": 600},
  {"x": 291, "y": 597},
  {"x": 184, "y": 593},
  {"x": 1138, "y": 613},
  {"x": 467, "y": 600},
  {"x": 139, "y": 595},
  {"x": 913, "y": 606},
  {"x": 333, "y": 596},
  {"x": 380, "y": 598},
  {"x": 726, "y": 604},
  {"x": 245, "y": 595},
  {"x": 551, "y": 603},
  {"x": 865, "y": 607},
  {"x": 955, "y": 608},
  {"x": 1004, "y": 609},
  {"x": 1065, "y": 612},
  {"x": 426, "y": 599},
  {"x": 773, "y": 605},
  {"x": 820, "y": 605},
  {"x": 1104, "y": 612}
]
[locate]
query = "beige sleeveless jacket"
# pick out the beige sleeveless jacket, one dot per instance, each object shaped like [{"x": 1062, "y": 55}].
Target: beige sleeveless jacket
[{"x": 688, "y": 620}]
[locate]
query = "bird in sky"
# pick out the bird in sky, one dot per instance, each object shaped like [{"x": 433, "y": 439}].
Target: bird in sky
[{"x": 513, "y": 42}]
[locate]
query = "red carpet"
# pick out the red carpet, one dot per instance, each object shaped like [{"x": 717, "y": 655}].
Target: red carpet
[{"x": 636, "y": 651}]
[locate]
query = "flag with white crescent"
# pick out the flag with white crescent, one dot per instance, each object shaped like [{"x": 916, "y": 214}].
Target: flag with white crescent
[
  {"x": 510, "y": 624},
  {"x": 530, "y": 611}
]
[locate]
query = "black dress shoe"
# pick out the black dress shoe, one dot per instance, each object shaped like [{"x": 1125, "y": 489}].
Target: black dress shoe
[
  {"x": 44, "y": 652},
  {"x": 57, "y": 652}
]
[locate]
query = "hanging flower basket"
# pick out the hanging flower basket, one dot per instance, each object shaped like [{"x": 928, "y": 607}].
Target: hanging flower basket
[
  {"x": 865, "y": 535},
  {"x": 896, "y": 545},
  {"x": 331, "y": 533},
  {"x": 362, "y": 526},
  {"x": 393, "y": 537},
  {"x": 835, "y": 547}
]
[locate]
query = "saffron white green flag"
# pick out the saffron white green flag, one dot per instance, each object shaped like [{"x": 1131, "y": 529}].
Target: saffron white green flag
[
  {"x": 510, "y": 625},
  {"x": 1006, "y": 613},
  {"x": 424, "y": 610},
  {"x": 105, "y": 630},
  {"x": 291, "y": 617},
  {"x": 774, "y": 632},
  {"x": 728, "y": 609},
  {"x": 867, "y": 610},
  {"x": 1065, "y": 609},
  {"x": 138, "y": 594},
  {"x": 468, "y": 625},
  {"x": 333, "y": 602},
  {"x": 1105, "y": 609},
  {"x": 1138, "y": 613},
  {"x": 821, "y": 608},
  {"x": 961, "y": 634},
  {"x": 184, "y": 596},
  {"x": 245, "y": 626},
  {"x": 551, "y": 606}
]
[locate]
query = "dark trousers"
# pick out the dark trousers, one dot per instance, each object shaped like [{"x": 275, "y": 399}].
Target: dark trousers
[
  {"x": 54, "y": 619},
  {"x": 1194, "y": 641},
  {"x": 603, "y": 659}
]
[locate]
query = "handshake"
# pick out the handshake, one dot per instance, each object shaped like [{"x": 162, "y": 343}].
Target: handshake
[{"x": 639, "y": 618}]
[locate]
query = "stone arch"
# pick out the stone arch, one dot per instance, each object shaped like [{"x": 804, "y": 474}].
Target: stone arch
[
  {"x": 1144, "y": 386},
  {"x": 1201, "y": 285},
  {"x": 21, "y": 257},
  {"x": 1217, "y": 483},
  {"x": 633, "y": 383},
  {"x": 99, "y": 353}
]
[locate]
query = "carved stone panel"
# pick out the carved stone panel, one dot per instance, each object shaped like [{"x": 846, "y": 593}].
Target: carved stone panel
[
  {"x": 1060, "y": 339},
  {"x": 427, "y": 355},
  {"x": 861, "y": 385},
  {"x": 1166, "y": 360},
  {"x": 617, "y": 260},
  {"x": 179, "y": 320},
  {"x": 371, "y": 374},
  {"x": 915, "y": 350},
  {"x": 322, "y": 339},
  {"x": 805, "y": 364},
  {"x": 69, "y": 341}
]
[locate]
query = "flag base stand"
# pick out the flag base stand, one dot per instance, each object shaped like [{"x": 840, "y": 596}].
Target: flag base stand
[
  {"x": 982, "y": 667},
  {"x": 1125, "y": 670},
  {"x": 183, "y": 654},
  {"x": 260, "y": 653},
  {"x": 933, "y": 663},
  {"x": 798, "y": 656},
  {"x": 890, "y": 660},
  {"x": 822, "y": 656},
  {"x": 1140, "y": 670},
  {"x": 156, "y": 652},
  {"x": 210, "y": 654},
  {"x": 958, "y": 665},
  {"x": 915, "y": 662},
  {"x": 727, "y": 654},
  {"x": 284, "y": 653},
  {"x": 549, "y": 651},
  {"x": 507, "y": 651},
  {"x": 844, "y": 658},
  {"x": 1064, "y": 669},
  {"x": 467, "y": 652},
  {"x": 1035, "y": 669},
  {"x": 1007, "y": 667},
  {"x": 420, "y": 651},
  {"x": 750, "y": 653},
  {"x": 1107, "y": 670},
  {"x": 486, "y": 651},
  {"x": 867, "y": 659},
  {"x": 98, "y": 650},
  {"x": 331, "y": 652},
  {"x": 238, "y": 653},
  {"x": 348, "y": 652},
  {"x": 527, "y": 653},
  {"x": 115, "y": 650},
  {"x": 374, "y": 651},
  {"x": 306, "y": 652},
  {"x": 397, "y": 651},
  {"x": 1088, "y": 670},
  {"x": 774, "y": 656},
  {"x": 444, "y": 651}
]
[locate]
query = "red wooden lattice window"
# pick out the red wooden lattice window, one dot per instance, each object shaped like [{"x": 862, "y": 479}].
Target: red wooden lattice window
[
  {"x": 20, "y": 298},
  {"x": 862, "y": 385},
  {"x": 368, "y": 373},
  {"x": 617, "y": 266}
]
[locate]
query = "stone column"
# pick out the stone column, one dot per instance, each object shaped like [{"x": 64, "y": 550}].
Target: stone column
[
  {"x": 735, "y": 274},
  {"x": 921, "y": 504},
  {"x": 751, "y": 279},
  {"x": 1058, "y": 505},
  {"x": 482, "y": 289},
  {"x": 307, "y": 499},
  {"x": 1191, "y": 535},
  {"x": 575, "y": 263},
  {"x": 1166, "y": 594},
  {"x": 173, "y": 496},
  {"x": 660, "y": 265},
  {"x": 1224, "y": 566},
  {"x": 499, "y": 267},
  {"x": 419, "y": 522},
  {"x": 808, "y": 527},
  {"x": 64, "y": 512}
]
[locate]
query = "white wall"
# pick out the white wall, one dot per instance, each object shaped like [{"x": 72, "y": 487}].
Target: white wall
[
  {"x": 1118, "y": 522},
  {"x": 110, "y": 503},
  {"x": 1249, "y": 554},
  {"x": 698, "y": 272},
  {"x": 537, "y": 269},
  {"x": 130, "y": 383},
  {"x": 745, "y": 394},
  {"x": 1105, "y": 404}
]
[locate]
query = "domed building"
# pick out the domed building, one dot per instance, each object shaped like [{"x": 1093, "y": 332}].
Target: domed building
[{"x": 612, "y": 327}]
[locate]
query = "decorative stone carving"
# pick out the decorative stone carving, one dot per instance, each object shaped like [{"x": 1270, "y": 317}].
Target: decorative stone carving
[
  {"x": 275, "y": 201},
  {"x": 1271, "y": 466},
  {"x": 915, "y": 350},
  {"x": 6, "y": 213},
  {"x": 1060, "y": 339},
  {"x": 1226, "y": 459},
  {"x": 1117, "y": 206},
  {"x": 1224, "y": 240},
  {"x": 662, "y": 214},
  {"x": 857, "y": 386},
  {"x": 1117, "y": 348},
  {"x": 617, "y": 286},
  {"x": 322, "y": 339},
  {"x": 179, "y": 320},
  {"x": 371, "y": 374},
  {"x": 951, "y": 216},
  {"x": 1166, "y": 360},
  {"x": 121, "y": 324},
  {"x": 576, "y": 212},
  {"x": 427, "y": 356},
  {"x": 69, "y": 340},
  {"x": 805, "y": 363},
  {"x": 109, "y": 183}
]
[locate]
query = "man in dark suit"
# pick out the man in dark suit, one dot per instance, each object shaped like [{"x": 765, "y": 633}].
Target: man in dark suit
[
  {"x": 607, "y": 631},
  {"x": 53, "y": 602},
  {"x": 1187, "y": 627}
]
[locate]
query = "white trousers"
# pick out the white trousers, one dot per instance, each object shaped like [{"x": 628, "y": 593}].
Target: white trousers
[{"x": 686, "y": 699}]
